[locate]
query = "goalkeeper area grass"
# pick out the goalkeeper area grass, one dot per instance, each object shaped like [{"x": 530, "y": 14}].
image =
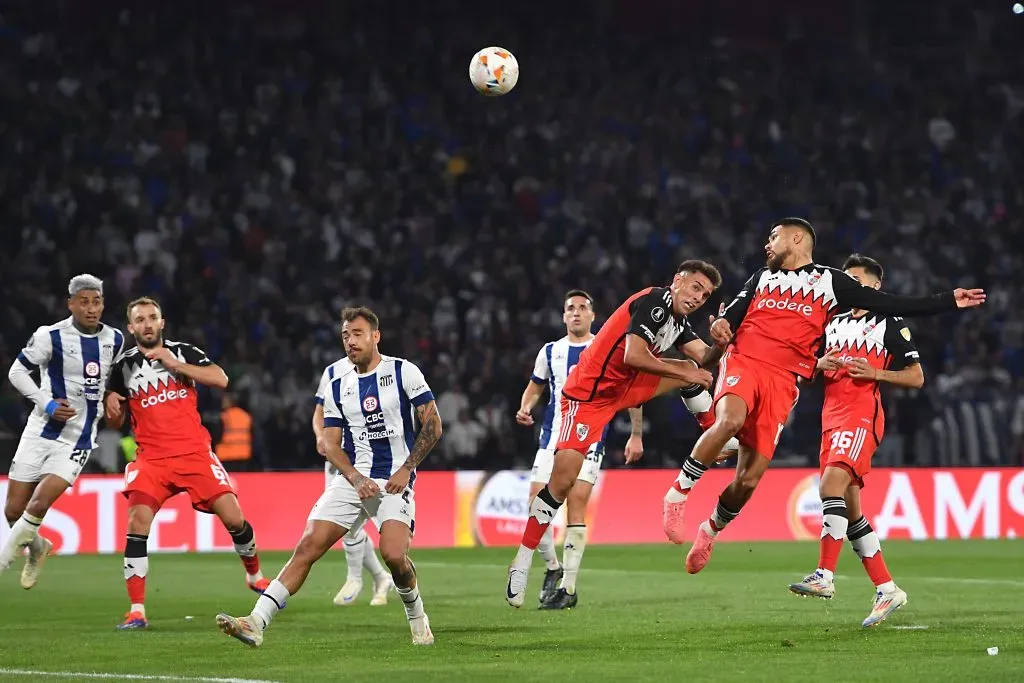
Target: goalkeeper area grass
[{"x": 640, "y": 618}]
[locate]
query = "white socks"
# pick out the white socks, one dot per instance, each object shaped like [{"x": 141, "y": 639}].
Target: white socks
[
  {"x": 355, "y": 550},
  {"x": 23, "y": 532},
  {"x": 572, "y": 553},
  {"x": 547, "y": 549},
  {"x": 372, "y": 563},
  {"x": 269, "y": 604},
  {"x": 412, "y": 601},
  {"x": 701, "y": 403}
]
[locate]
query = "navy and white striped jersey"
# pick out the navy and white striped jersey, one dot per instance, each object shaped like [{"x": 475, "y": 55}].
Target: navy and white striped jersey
[
  {"x": 554, "y": 363},
  {"x": 335, "y": 369},
  {"x": 73, "y": 366},
  {"x": 375, "y": 413}
]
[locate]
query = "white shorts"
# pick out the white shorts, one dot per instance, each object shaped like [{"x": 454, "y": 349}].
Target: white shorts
[
  {"x": 544, "y": 462},
  {"x": 37, "y": 457},
  {"x": 356, "y": 534},
  {"x": 341, "y": 505}
]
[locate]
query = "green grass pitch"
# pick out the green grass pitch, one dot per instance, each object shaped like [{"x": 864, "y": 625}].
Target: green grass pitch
[{"x": 640, "y": 618}]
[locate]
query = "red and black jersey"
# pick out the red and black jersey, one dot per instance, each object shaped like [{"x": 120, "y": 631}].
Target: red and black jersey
[
  {"x": 779, "y": 316},
  {"x": 163, "y": 406},
  {"x": 602, "y": 371},
  {"x": 885, "y": 343}
]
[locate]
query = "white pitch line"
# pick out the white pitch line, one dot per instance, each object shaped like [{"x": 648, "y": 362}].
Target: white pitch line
[
  {"x": 127, "y": 677},
  {"x": 671, "y": 571}
]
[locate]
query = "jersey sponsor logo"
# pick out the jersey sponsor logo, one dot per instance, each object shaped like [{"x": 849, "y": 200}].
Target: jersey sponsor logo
[
  {"x": 732, "y": 380},
  {"x": 850, "y": 359},
  {"x": 387, "y": 380},
  {"x": 163, "y": 397},
  {"x": 786, "y": 305},
  {"x": 370, "y": 404},
  {"x": 658, "y": 314},
  {"x": 647, "y": 333}
]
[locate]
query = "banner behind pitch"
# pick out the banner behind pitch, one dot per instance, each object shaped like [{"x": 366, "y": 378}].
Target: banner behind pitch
[{"x": 485, "y": 508}]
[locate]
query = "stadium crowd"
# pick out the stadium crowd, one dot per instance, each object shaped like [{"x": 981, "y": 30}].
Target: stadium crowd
[{"x": 264, "y": 165}]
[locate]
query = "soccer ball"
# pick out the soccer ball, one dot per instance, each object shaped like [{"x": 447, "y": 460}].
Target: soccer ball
[{"x": 494, "y": 71}]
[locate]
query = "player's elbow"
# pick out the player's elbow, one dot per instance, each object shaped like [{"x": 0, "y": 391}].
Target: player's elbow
[
  {"x": 221, "y": 380},
  {"x": 917, "y": 379}
]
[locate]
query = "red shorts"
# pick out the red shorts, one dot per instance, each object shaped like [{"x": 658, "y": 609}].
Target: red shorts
[
  {"x": 770, "y": 394},
  {"x": 583, "y": 423},
  {"x": 849, "y": 448},
  {"x": 199, "y": 474}
]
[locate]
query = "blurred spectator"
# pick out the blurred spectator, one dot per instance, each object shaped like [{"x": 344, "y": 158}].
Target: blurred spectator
[{"x": 256, "y": 172}]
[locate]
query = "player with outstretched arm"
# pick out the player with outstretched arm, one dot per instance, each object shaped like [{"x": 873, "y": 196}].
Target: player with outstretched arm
[{"x": 779, "y": 319}]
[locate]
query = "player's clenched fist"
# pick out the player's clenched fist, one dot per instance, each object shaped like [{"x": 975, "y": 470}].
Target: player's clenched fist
[
  {"x": 364, "y": 486},
  {"x": 524, "y": 418},
  {"x": 721, "y": 331}
]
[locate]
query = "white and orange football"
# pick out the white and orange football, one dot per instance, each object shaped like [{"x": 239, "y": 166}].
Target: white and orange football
[{"x": 494, "y": 71}]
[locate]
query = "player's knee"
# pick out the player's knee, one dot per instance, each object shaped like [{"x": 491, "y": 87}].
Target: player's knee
[
  {"x": 393, "y": 554},
  {"x": 13, "y": 509},
  {"x": 140, "y": 519},
  {"x": 729, "y": 422}
]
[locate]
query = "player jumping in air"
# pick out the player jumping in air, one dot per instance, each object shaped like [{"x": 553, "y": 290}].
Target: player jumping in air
[
  {"x": 863, "y": 350},
  {"x": 779, "y": 318},
  {"x": 158, "y": 380},
  {"x": 620, "y": 369},
  {"x": 74, "y": 358},
  {"x": 359, "y": 550},
  {"x": 368, "y": 418},
  {"x": 554, "y": 363}
]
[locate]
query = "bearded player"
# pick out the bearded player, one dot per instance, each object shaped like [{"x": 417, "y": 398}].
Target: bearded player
[
  {"x": 369, "y": 418},
  {"x": 863, "y": 350},
  {"x": 359, "y": 552},
  {"x": 621, "y": 369},
  {"x": 779, "y": 318},
  {"x": 159, "y": 378}
]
